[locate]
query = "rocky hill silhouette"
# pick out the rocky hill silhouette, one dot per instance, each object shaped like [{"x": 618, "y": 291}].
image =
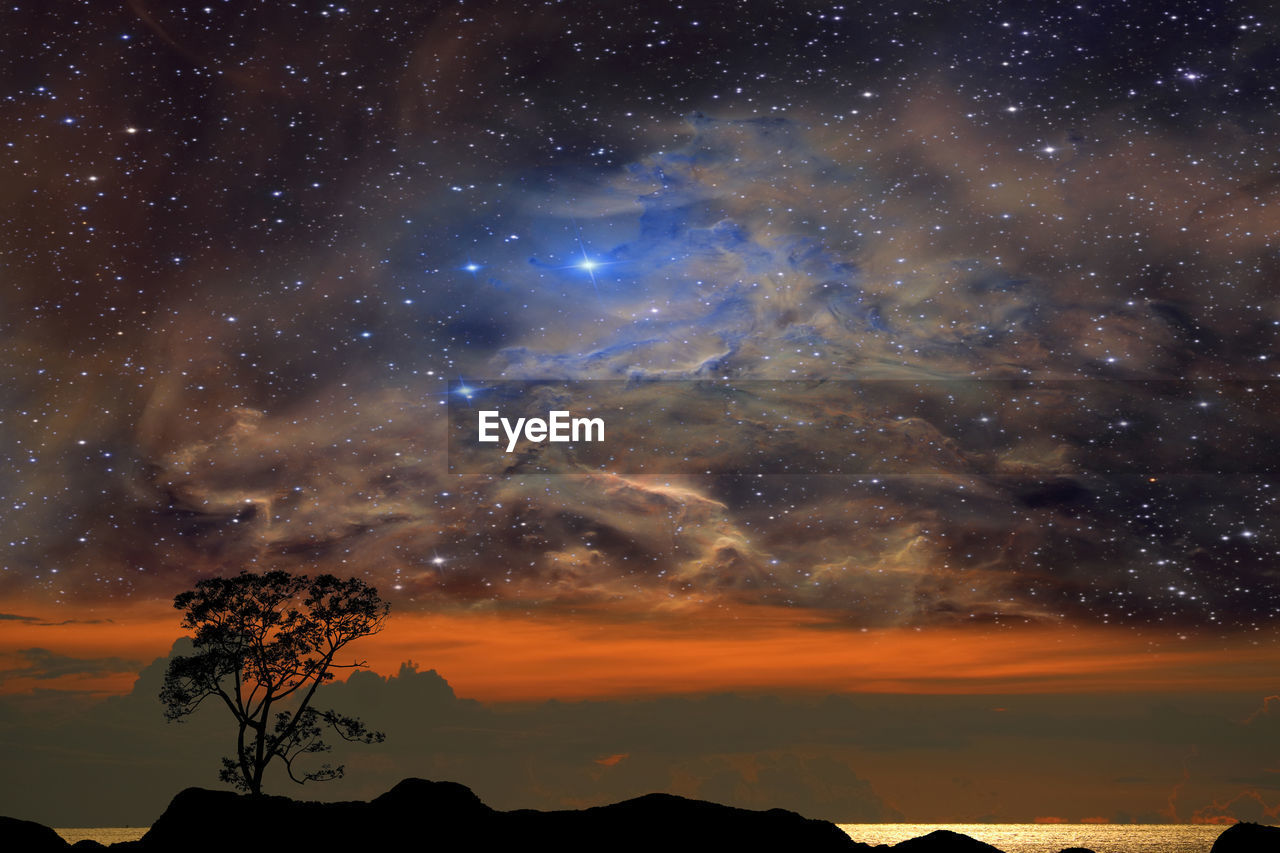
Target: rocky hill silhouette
[{"x": 418, "y": 814}]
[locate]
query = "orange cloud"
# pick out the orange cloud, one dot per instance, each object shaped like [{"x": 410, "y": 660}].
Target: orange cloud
[
  {"x": 1225, "y": 811},
  {"x": 501, "y": 656}
]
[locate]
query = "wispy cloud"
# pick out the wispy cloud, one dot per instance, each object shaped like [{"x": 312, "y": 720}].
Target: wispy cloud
[
  {"x": 36, "y": 620},
  {"x": 44, "y": 664}
]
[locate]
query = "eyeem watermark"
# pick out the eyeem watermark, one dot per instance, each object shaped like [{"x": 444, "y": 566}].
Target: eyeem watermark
[
  {"x": 558, "y": 427},
  {"x": 994, "y": 429}
]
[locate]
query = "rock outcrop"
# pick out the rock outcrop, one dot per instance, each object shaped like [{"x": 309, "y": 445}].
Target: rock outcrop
[
  {"x": 1247, "y": 838},
  {"x": 944, "y": 841},
  {"x": 29, "y": 836}
]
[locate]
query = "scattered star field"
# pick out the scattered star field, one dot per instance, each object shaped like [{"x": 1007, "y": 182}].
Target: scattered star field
[{"x": 1022, "y": 256}]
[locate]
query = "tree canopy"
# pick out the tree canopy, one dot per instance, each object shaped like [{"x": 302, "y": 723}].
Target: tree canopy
[{"x": 263, "y": 644}]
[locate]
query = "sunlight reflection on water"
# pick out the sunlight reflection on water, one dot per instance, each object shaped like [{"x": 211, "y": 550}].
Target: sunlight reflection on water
[
  {"x": 1052, "y": 837},
  {"x": 103, "y": 834}
]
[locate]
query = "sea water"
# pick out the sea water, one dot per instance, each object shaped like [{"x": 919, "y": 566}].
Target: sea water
[
  {"x": 102, "y": 834},
  {"x": 1052, "y": 837}
]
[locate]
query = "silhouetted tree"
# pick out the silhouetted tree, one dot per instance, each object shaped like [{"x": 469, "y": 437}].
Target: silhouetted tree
[{"x": 263, "y": 644}]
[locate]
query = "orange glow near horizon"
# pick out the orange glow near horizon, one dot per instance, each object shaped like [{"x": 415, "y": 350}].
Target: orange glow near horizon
[{"x": 495, "y": 656}]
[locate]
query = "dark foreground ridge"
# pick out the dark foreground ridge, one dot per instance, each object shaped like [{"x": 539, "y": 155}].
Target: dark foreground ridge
[
  {"x": 1247, "y": 838},
  {"x": 419, "y": 815}
]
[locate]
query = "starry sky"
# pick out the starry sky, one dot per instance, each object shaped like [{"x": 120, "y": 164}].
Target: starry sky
[{"x": 938, "y": 342}]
